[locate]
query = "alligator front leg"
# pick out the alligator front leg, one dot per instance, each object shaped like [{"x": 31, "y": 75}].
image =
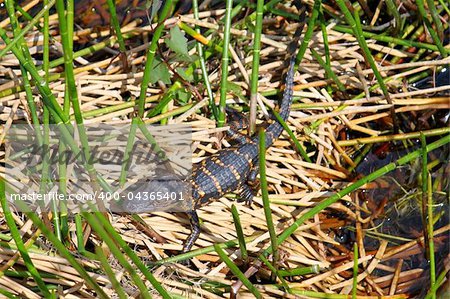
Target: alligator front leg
[{"x": 246, "y": 194}]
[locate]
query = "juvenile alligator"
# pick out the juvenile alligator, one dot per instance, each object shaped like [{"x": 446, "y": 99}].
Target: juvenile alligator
[{"x": 230, "y": 169}]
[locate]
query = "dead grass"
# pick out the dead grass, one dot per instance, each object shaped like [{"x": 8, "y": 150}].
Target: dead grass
[{"x": 295, "y": 185}]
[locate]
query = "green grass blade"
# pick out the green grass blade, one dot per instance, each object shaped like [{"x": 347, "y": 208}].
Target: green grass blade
[
  {"x": 276, "y": 272},
  {"x": 102, "y": 223},
  {"x": 439, "y": 281},
  {"x": 53, "y": 106},
  {"x": 393, "y": 11},
  {"x": 266, "y": 201},
  {"x": 388, "y": 138},
  {"x": 95, "y": 224},
  {"x": 356, "y": 22},
  {"x": 427, "y": 214},
  {"x": 434, "y": 35},
  {"x": 235, "y": 270},
  {"x": 390, "y": 39},
  {"x": 115, "y": 24},
  {"x": 309, "y": 30},
  {"x": 239, "y": 232},
  {"x": 255, "y": 64},
  {"x": 19, "y": 242},
  {"x": 430, "y": 231},
  {"x": 151, "y": 55},
  {"x": 201, "y": 55},
  {"x": 225, "y": 62},
  {"x": 300, "y": 149},
  {"x": 326, "y": 47},
  {"x": 205, "y": 250},
  {"x": 26, "y": 82},
  {"x": 144, "y": 84},
  {"x": 314, "y": 269},
  {"x": 328, "y": 70},
  {"x": 67, "y": 41},
  {"x": 27, "y": 28},
  {"x": 355, "y": 270},
  {"x": 110, "y": 273},
  {"x": 57, "y": 244}
]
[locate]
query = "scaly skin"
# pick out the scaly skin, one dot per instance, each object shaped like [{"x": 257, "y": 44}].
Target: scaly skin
[{"x": 232, "y": 168}]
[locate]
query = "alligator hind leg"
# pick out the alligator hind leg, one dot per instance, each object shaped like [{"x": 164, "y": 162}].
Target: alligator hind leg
[
  {"x": 235, "y": 120},
  {"x": 195, "y": 231},
  {"x": 237, "y": 137}
]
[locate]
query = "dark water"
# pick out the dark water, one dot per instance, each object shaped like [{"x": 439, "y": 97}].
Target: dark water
[{"x": 397, "y": 200}]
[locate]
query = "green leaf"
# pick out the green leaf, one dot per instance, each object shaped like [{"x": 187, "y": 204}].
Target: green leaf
[
  {"x": 184, "y": 58},
  {"x": 182, "y": 73},
  {"x": 236, "y": 90},
  {"x": 182, "y": 95},
  {"x": 177, "y": 42},
  {"x": 249, "y": 24},
  {"x": 159, "y": 72},
  {"x": 156, "y": 5}
]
